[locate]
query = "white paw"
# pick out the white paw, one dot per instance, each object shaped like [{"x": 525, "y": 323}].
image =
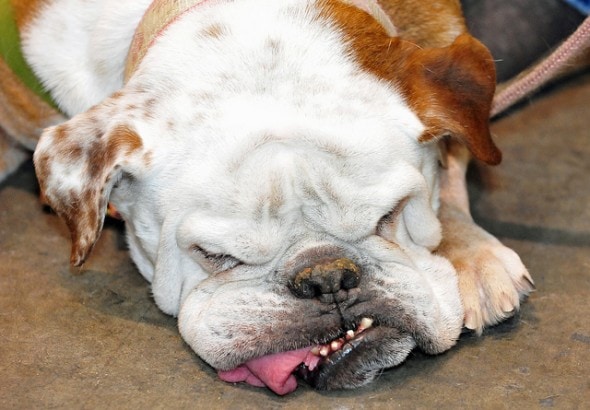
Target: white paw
[{"x": 492, "y": 278}]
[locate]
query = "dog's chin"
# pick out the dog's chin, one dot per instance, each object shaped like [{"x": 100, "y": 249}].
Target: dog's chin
[{"x": 360, "y": 360}]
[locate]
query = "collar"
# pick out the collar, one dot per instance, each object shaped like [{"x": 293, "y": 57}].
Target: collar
[
  {"x": 11, "y": 54},
  {"x": 162, "y": 13},
  {"x": 156, "y": 19}
]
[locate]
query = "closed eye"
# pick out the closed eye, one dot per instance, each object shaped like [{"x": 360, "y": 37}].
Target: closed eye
[
  {"x": 214, "y": 262},
  {"x": 386, "y": 224}
]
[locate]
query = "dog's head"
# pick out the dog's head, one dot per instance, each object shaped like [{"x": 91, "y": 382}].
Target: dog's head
[{"x": 281, "y": 185}]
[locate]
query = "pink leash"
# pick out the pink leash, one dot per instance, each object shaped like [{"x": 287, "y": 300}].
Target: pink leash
[{"x": 545, "y": 71}]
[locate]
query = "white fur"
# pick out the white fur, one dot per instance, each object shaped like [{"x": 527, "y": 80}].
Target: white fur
[
  {"x": 299, "y": 106},
  {"x": 265, "y": 140},
  {"x": 79, "y": 49}
]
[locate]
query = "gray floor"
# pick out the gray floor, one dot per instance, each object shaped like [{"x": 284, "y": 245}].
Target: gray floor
[{"x": 94, "y": 338}]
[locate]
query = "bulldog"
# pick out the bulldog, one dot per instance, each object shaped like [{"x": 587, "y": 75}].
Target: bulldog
[{"x": 291, "y": 173}]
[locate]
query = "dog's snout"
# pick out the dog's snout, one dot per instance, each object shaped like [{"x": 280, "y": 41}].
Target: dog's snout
[{"x": 326, "y": 279}]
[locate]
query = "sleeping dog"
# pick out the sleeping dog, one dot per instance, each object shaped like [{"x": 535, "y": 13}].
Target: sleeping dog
[{"x": 291, "y": 173}]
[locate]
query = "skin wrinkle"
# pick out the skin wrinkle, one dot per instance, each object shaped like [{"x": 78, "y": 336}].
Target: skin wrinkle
[{"x": 370, "y": 304}]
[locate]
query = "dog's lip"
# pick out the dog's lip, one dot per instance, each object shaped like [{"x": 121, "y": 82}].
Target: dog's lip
[
  {"x": 316, "y": 377},
  {"x": 278, "y": 370},
  {"x": 361, "y": 360}
]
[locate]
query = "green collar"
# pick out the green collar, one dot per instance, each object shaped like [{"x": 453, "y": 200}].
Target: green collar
[{"x": 10, "y": 52}]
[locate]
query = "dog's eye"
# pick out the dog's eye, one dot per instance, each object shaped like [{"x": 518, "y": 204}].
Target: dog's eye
[
  {"x": 387, "y": 223},
  {"x": 214, "y": 262}
]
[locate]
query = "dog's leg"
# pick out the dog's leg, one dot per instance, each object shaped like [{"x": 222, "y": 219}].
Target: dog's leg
[{"x": 492, "y": 278}]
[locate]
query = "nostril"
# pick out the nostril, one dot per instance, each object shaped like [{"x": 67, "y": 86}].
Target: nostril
[
  {"x": 304, "y": 288},
  {"x": 350, "y": 279}
]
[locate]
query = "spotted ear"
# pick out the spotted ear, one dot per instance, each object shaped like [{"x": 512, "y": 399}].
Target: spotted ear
[
  {"x": 451, "y": 89},
  {"x": 77, "y": 163}
]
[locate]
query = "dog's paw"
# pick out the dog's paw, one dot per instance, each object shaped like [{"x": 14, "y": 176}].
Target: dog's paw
[{"x": 492, "y": 278}]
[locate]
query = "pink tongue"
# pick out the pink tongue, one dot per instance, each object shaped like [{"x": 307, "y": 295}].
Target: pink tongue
[{"x": 274, "y": 371}]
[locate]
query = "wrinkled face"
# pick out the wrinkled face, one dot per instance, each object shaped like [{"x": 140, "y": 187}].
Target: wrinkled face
[
  {"x": 277, "y": 189},
  {"x": 291, "y": 234}
]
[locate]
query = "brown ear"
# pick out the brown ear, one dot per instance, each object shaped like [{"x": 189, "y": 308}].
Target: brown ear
[
  {"x": 451, "y": 89},
  {"x": 77, "y": 164}
]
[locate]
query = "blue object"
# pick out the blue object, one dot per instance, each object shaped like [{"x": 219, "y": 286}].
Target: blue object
[{"x": 583, "y": 6}]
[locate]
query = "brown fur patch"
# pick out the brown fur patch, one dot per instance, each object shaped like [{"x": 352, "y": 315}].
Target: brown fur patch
[
  {"x": 85, "y": 219},
  {"x": 97, "y": 156},
  {"x": 26, "y": 10},
  {"x": 449, "y": 88}
]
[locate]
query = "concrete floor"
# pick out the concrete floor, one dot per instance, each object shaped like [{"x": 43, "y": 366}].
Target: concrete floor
[{"x": 94, "y": 338}]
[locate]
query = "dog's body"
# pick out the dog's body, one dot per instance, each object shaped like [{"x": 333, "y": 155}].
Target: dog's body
[{"x": 277, "y": 166}]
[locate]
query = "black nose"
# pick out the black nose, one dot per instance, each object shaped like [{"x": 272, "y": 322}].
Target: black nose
[{"x": 326, "y": 278}]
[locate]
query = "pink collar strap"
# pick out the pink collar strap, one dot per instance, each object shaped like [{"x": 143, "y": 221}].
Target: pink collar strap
[
  {"x": 162, "y": 13},
  {"x": 159, "y": 15}
]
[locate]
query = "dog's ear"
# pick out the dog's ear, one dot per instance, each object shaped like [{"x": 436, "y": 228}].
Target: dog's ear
[
  {"x": 451, "y": 89},
  {"x": 78, "y": 162}
]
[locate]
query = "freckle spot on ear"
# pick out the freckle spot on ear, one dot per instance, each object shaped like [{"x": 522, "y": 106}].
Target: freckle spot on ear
[
  {"x": 61, "y": 133},
  {"x": 67, "y": 149},
  {"x": 124, "y": 138},
  {"x": 72, "y": 151},
  {"x": 103, "y": 153},
  {"x": 96, "y": 133}
]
